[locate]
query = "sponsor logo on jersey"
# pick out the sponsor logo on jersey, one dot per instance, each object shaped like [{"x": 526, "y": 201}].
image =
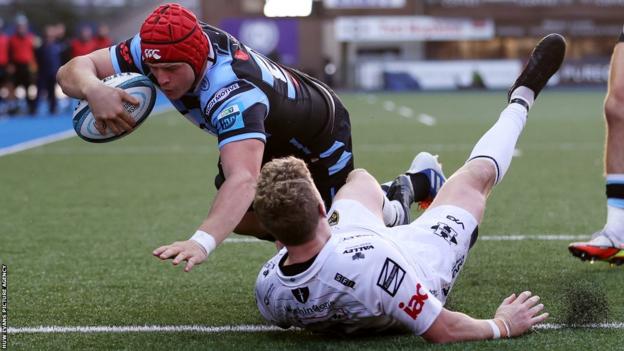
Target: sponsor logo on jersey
[
  {"x": 359, "y": 248},
  {"x": 358, "y": 256},
  {"x": 457, "y": 266},
  {"x": 152, "y": 53},
  {"x": 314, "y": 309},
  {"x": 220, "y": 95},
  {"x": 390, "y": 277},
  {"x": 344, "y": 281},
  {"x": 452, "y": 218},
  {"x": 333, "y": 218},
  {"x": 230, "y": 119},
  {"x": 351, "y": 237},
  {"x": 416, "y": 303},
  {"x": 301, "y": 294},
  {"x": 445, "y": 232}
]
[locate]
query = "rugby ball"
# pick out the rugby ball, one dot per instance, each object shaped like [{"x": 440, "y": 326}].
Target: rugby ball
[{"x": 134, "y": 84}]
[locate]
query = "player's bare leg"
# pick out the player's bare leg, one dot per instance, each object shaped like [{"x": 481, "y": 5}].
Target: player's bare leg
[{"x": 608, "y": 243}]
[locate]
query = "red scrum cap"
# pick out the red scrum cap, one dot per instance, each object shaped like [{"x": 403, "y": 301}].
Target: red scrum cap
[{"x": 172, "y": 34}]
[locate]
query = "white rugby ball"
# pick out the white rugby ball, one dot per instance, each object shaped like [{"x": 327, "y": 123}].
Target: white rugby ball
[{"x": 134, "y": 84}]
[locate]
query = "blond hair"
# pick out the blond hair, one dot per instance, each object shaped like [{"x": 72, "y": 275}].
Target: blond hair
[{"x": 286, "y": 201}]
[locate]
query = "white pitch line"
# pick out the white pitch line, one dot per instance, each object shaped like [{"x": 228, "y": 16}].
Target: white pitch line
[
  {"x": 426, "y": 119},
  {"x": 144, "y": 329},
  {"x": 535, "y": 237},
  {"x": 551, "y": 326},
  {"x": 31, "y": 144},
  {"x": 37, "y": 142},
  {"x": 225, "y": 328}
]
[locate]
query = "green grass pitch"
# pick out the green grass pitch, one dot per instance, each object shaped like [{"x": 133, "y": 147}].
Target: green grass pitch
[{"x": 79, "y": 222}]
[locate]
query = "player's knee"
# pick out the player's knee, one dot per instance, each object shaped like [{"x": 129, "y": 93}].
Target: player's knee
[
  {"x": 360, "y": 174},
  {"x": 482, "y": 172},
  {"x": 614, "y": 106}
]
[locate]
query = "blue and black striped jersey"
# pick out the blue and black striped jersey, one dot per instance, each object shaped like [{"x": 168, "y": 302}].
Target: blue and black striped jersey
[{"x": 245, "y": 95}]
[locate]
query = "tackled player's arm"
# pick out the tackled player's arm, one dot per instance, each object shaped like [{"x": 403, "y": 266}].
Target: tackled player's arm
[
  {"x": 515, "y": 316},
  {"x": 81, "y": 77},
  {"x": 409, "y": 301}
]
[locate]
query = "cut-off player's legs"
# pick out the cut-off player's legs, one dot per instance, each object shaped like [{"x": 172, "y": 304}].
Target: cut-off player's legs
[
  {"x": 608, "y": 243},
  {"x": 459, "y": 205}
]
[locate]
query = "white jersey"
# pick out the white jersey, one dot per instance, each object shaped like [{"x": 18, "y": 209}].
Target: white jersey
[{"x": 360, "y": 281}]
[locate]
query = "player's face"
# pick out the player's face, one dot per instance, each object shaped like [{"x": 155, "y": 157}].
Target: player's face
[{"x": 174, "y": 78}]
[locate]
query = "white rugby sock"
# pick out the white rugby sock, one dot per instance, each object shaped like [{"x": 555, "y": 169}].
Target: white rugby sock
[
  {"x": 615, "y": 224},
  {"x": 393, "y": 213},
  {"x": 498, "y": 143},
  {"x": 523, "y": 93}
]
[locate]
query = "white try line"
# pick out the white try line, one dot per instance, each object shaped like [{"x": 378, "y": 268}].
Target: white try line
[
  {"x": 37, "y": 142},
  {"x": 535, "y": 237},
  {"x": 225, "y": 328},
  {"x": 48, "y": 139}
]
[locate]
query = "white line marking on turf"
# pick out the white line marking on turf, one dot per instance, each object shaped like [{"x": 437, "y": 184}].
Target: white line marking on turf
[
  {"x": 225, "y": 328},
  {"x": 31, "y": 144},
  {"x": 614, "y": 325},
  {"x": 426, "y": 119},
  {"x": 145, "y": 329},
  {"x": 37, "y": 142},
  {"x": 520, "y": 237}
]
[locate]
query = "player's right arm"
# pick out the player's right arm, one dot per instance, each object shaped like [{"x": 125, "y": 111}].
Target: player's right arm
[
  {"x": 408, "y": 300},
  {"x": 515, "y": 316},
  {"x": 81, "y": 77}
]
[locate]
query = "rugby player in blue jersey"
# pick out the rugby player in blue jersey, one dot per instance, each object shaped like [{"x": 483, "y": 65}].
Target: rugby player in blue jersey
[{"x": 258, "y": 110}]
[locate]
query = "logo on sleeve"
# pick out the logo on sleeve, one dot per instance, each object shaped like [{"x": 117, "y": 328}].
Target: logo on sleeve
[
  {"x": 344, "y": 281},
  {"x": 125, "y": 53},
  {"x": 390, "y": 277},
  {"x": 220, "y": 95},
  {"x": 445, "y": 232},
  {"x": 301, "y": 294},
  {"x": 415, "y": 304},
  {"x": 230, "y": 119},
  {"x": 333, "y": 218}
]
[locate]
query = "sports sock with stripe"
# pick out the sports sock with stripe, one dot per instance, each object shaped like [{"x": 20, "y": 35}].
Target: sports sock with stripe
[
  {"x": 498, "y": 143},
  {"x": 615, "y": 207},
  {"x": 393, "y": 213}
]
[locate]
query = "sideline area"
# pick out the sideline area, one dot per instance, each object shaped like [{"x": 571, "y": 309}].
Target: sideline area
[{"x": 25, "y": 132}]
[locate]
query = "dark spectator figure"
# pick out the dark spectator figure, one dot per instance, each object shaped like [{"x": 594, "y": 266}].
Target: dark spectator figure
[
  {"x": 4, "y": 64},
  {"x": 49, "y": 61},
  {"x": 22, "y": 62},
  {"x": 61, "y": 38},
  {"x": 85, "y": 43},
  {"x": 102, "y": 39}
]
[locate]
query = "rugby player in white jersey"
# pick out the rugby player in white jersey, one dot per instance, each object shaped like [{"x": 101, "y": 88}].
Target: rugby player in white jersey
[{"x": 345, "y": 272}]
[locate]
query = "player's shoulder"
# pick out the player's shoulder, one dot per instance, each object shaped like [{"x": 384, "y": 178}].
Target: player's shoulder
[
  {"x": 361, "y": 248},
  {"x": 268, "y": 272}
]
